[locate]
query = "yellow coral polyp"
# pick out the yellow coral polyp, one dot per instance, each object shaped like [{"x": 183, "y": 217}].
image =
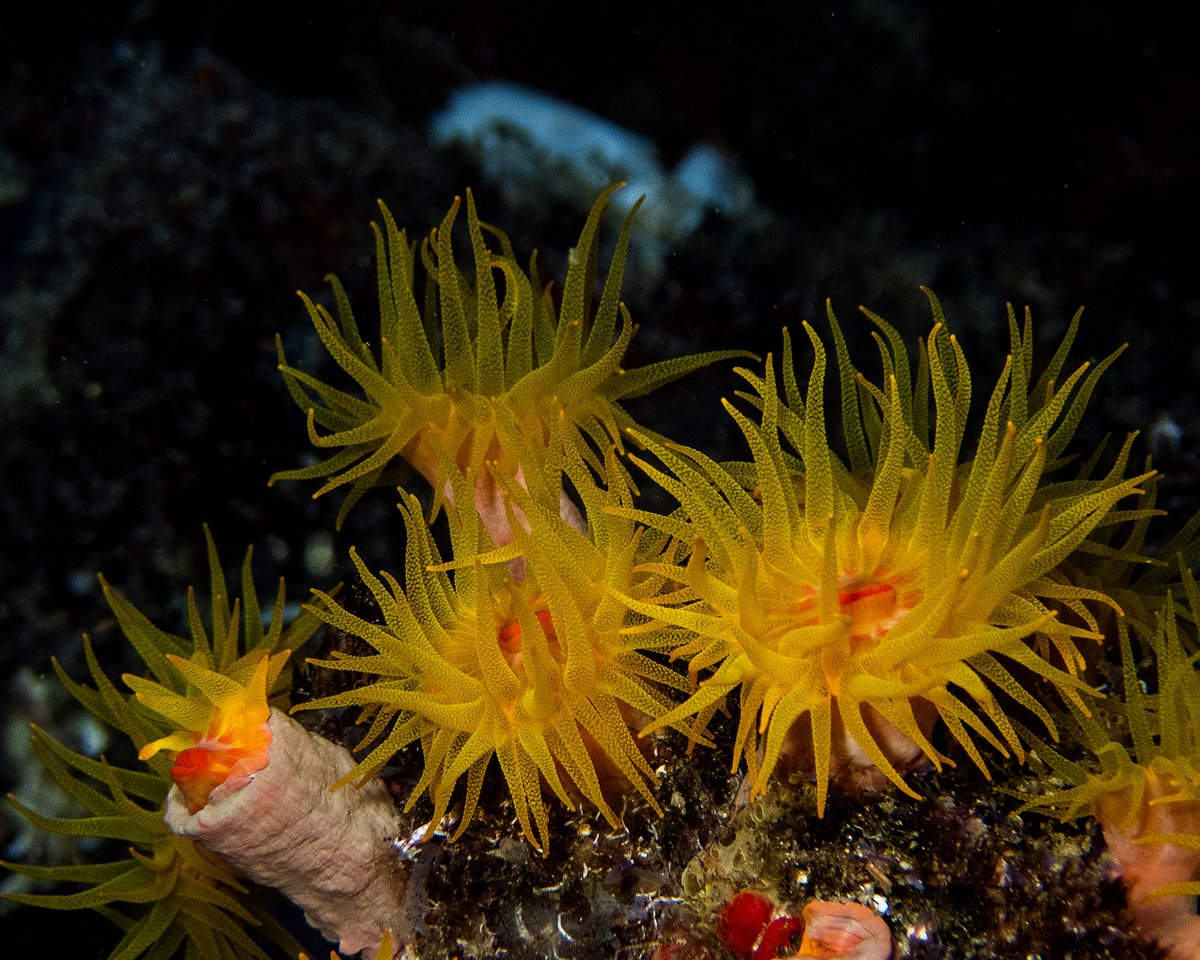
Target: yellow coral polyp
[
  {"x": 453, "y": 386},
  {"x": 1143, "y": 785},
  {"x": 224, "y": 735},
  {"x": 853, "y": 602},
  {"x": 168, "y": 895},
  {"x": 526, "y": 662}
]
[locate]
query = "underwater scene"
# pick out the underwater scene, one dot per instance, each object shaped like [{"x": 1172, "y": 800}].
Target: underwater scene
[{"x": 638, "y": 483}]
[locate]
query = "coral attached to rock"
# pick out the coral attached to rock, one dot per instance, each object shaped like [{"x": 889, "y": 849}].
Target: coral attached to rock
[
  {"x": 853, "y": 602},
  {"x": 908, "y": 592}
]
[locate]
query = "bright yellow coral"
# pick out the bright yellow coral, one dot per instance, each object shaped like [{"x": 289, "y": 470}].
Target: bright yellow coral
[
  {"x": 853, "y": 602},
  {"x": 451, "y": 385},
  {"x": 216, "y": 700},
  {"x": 523, "y": 656}
]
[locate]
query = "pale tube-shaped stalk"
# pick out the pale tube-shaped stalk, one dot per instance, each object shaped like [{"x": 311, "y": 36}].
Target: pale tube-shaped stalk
[
  {"x": 330, "y": 852},
  {"x": 492, "y": 508}
]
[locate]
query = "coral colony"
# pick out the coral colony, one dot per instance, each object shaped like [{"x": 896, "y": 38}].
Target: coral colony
[{"x": 876, "y": 588}]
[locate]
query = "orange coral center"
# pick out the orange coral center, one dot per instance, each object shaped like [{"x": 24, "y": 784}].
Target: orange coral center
[
  {"x": 199, "y": 770},
  {"x": 874, "y": 607},
  {"x": 510, "y": 639},
  {"x": 868, "y": 607}
]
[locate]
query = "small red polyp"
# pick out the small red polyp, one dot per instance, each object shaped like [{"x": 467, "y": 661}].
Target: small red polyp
[
  {"x": 780, "y": 932},
  {"x": 745, "y": 927},
  {"x": 742, "y": 921}
]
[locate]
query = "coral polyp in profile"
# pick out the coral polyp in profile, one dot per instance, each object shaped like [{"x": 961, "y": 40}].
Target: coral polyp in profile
[
  {"x": 527, "y": 661},
  {"x": 855, "y": 601},
  {"x": 223, "y": 735},
  {"x": 1142, "y": 782},
  {"x": 457, "y": 382},
  {"x": 168, "y": 895}
]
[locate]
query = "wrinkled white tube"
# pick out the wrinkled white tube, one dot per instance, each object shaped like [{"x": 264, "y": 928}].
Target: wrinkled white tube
[{"x": 331, "y": 853}]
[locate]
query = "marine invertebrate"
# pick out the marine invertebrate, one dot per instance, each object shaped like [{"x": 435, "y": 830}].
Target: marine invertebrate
[
  {"x": 330, "y": 853},
  {"x": 852, "y": 598},
  {"x": 855, "y": 601},
  {"x": 509, "y": 368},
  {"x": 742, "y": 920},
  {"x": 536, "y": 670},
  {"x": 1143, "y": 780},
  {"x": 253, "y": 787},
  {"x": 846, "y": 930},
  {"x": 222, "y": 737},
  {"x": 746, "y": 927},
  {"x": 167, "y": 893}
]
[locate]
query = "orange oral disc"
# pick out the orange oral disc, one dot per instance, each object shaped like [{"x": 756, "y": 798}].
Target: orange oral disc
[
  {"x": 199, "y": 770},
  {"x": 509, "y": 635},
  {"x": 869, "y": 607}
]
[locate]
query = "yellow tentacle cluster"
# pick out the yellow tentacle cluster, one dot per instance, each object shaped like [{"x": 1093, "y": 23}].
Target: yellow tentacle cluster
[
  {"x": 854, "y": 600},
  {"x": 450, "y": 381},
  {"x": 529, "y": 663}
]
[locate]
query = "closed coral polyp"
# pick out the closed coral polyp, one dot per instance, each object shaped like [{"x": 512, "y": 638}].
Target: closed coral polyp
[
  {"x": 1138, "y": 827},
  {"x": 1143, "y": 785}
]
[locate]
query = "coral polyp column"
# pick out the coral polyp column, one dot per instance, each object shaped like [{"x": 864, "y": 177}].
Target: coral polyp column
[{"x": 330, "y": 852}]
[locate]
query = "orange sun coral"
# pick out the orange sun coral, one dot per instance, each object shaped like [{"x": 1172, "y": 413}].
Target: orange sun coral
[
  {"x": 223, "y": 734},
  {"x": 251, "y": 786},
  {"x": 509, "y": 368},
  {"x": 855, "y": 602},
  {"x": 535, "y": 666},
  {"x": 168, "y": 895}
]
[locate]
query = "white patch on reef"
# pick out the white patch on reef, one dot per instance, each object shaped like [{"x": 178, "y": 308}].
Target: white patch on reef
[{"x": 531, "y": 145}]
